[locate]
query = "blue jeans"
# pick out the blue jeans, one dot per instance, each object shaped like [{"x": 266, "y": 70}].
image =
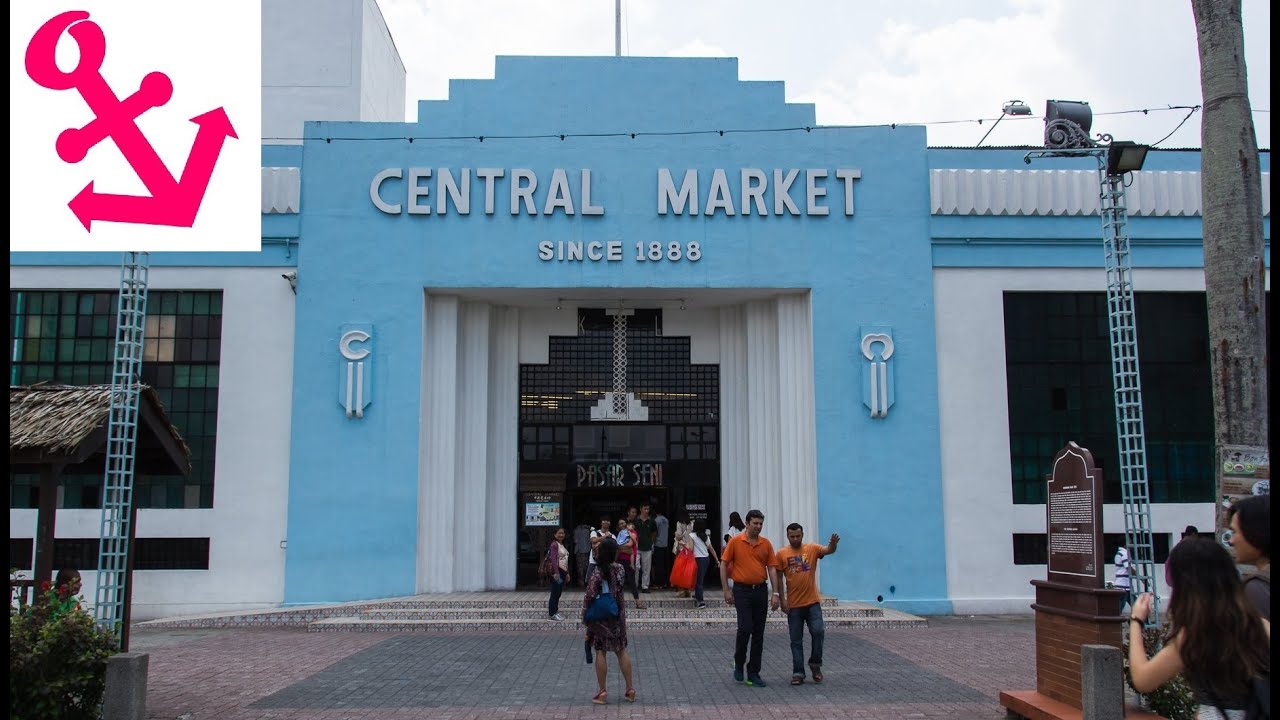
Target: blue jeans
[
  {"x": 796, "y": 618},
  {"x": 557, "y": 587},
  {"x": 702, "y": 574}
]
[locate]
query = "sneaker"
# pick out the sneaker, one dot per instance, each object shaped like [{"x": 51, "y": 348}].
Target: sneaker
[
  {"x": 557, "y": 617},
  {"x": 737, "y": 673},
  {"x": 755, "y": 681},
  {"x": 644, "y": 590},
  {"x": 702, "y": 606}
]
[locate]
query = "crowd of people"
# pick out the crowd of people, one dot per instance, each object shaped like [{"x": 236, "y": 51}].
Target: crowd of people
[
  {"x": 1219, "y": 618},
  {"x": 1218, "y": 634},
  {"x": 627, "y": 558}
]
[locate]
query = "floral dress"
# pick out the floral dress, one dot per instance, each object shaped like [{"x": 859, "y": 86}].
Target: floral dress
[{"x": 607, "y": 635}]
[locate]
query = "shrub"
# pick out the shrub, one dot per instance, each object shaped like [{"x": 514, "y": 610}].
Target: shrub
[
  {"x": 57, "y": 658},
  {"x": 1174, "y": 699}
]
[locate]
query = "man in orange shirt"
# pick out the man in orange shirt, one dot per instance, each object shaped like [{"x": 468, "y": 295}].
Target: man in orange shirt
[
  {"x": 750, "y": 560},
  {"x": 800, "y": 599}
]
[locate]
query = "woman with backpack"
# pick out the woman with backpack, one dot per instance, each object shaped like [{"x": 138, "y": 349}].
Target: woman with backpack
[
  {"x": 608, "y": 634},
  {"x": 1217, "y": 640}
]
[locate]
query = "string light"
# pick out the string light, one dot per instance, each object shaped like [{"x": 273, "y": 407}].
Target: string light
[{"x": 633, "y": 135}]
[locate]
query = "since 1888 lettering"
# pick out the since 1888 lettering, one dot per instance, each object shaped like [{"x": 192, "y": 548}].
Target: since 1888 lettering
[{"x": 612, "y": 251}]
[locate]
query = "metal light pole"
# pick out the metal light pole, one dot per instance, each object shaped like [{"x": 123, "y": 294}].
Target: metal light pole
[{"x": 1067, "y": 135}]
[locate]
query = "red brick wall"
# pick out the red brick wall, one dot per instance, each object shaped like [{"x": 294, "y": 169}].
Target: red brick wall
[{"x": 1058, "y": 641}]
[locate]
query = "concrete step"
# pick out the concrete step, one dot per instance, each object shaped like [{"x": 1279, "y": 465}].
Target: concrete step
[
  {"x": 635, "y": 623},
  {"x": 514, "y": 608},
  {"x": 655, "y": 612},
  {"x": 662, "y": 600}
]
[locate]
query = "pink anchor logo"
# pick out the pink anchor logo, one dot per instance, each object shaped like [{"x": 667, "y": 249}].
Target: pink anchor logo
[{"x": 172, "y": 202}]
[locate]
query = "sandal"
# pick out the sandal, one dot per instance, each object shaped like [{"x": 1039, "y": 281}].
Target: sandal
[
  {"x": 601, "y": 697},
  {"x": 817, "y": 672},
  {"x": 797, "y": 680},
  {"x": 630, "y": 695}
]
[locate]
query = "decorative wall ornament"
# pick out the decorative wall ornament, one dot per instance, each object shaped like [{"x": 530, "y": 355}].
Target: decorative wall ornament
[
  {"x": 355, "y": 378},
  {"x": 620, "y": 404},
  {"x": 877, "y": 376}
]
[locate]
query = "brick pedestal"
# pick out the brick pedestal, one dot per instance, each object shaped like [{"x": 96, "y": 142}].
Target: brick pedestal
[{"x": 1068, "y": 617}]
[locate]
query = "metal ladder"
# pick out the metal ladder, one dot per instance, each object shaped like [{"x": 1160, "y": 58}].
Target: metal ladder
[
  {"x": 122, "y": 439},
  {"x": 1130, "y": 435}
]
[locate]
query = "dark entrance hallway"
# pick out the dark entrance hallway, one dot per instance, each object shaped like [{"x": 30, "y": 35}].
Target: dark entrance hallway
[{"x": 574, "y": 471}]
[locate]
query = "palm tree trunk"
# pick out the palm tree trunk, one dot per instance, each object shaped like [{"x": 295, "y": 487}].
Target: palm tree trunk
[{"x": 1235, "y": 270}]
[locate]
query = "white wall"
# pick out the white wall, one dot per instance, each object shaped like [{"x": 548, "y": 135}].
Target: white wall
[
  {"x": 979, "y": 513},
  {"x": 248, "y": 520},
  {"x": 327, "y": 60},
  {"x": 382, "y": 74}
]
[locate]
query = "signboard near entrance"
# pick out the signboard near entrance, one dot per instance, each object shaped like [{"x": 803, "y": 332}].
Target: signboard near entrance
[
  {"x": 541, "y": 511},
  {"x": 606, "y": 475},
  {"x": 1074, "y": 519}
]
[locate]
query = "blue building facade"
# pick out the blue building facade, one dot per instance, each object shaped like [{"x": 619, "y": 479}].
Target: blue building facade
[{"x": 851, "y": 288}]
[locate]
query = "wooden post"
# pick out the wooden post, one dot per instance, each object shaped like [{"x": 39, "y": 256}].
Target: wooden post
[{"x": 46, "y": 521}]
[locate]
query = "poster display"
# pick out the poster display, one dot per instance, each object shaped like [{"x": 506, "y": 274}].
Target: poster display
[
  {"x": 541, "y": 511},
  {"x": 1243, "y": 471}
]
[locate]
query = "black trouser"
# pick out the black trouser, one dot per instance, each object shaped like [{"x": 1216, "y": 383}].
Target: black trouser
[
  {"x": 752, "y": 603},
  {"x": 661, "y": 573},
  {"x": 632, "y": 580}
]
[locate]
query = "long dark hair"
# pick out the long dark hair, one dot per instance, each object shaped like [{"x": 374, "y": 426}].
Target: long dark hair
[
  {"x": 735, "y": 521},
  {"x": 1223, "y": 641},
  {"x": 606, "y": 553}
]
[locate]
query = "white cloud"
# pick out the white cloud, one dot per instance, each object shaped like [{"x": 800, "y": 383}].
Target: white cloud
[{"x": 872, "y": 61}]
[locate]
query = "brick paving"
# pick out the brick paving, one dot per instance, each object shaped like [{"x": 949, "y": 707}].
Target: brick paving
[{"x": 953, "y": 669}]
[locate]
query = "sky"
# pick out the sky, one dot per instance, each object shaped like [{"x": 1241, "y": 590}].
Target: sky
[{"x": 866, "y": 62}]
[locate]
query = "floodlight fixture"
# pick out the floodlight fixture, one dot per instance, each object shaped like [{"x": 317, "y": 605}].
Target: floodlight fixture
[{"x": 1125, "y": 156}]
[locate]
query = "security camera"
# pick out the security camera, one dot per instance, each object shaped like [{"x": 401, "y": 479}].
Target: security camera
[{"x": 292, "y": 277}]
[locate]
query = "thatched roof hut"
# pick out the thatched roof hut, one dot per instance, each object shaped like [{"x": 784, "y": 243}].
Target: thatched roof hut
[{"x": 66, "y": 425}]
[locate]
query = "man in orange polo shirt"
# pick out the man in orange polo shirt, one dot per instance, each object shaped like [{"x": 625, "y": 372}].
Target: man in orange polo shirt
[
  {"x": 801, "y": 600},
  {"x": 750, "y": 560}
]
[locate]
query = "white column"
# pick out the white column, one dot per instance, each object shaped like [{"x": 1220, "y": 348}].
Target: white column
[
  {"x": 762, "y": 411},
  {"x": 735, "y": 465},
  {"x": 799, "y": 476},
  {"x": 472, "y": 448},
  {"x": 437, "y": 534},
  {"x": 504, "y": 448}
]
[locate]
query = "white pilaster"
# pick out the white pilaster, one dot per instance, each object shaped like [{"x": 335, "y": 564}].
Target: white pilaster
[
  {"x": 504, "y": 448},
  {"x": 799, "y": 476},
  {"x": 437, "y": 535},
  {"x": 735, "y": 465},
  {"x": 470, "y": 546},
  {"x": 762, "y": 410}
]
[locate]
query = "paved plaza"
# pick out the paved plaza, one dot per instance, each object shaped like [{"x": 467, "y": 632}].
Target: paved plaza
[{"x": 954, "y": 668}]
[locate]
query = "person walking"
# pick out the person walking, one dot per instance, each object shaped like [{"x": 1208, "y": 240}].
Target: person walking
[
  {"x": 556, "y": 568},
  {"x": 581, "y": 552},
  {"x": 698, "y": 539},
  {"x": 749, "y": 560},
  {"x": 608, "y": 635},
  {"x": 1251, "y": 541},
  {"x": 1217, "y": 640},
  {"x": 1124, "y": 568},
  {"x": 735, "y": 526},
  {"x": 680, "y": 540},
  {"x": 626, "y": 540},
  {"x": 646, "y": 533},
  {"x": 661, "y": 546},
  {"x": 801, "y": 600}
]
